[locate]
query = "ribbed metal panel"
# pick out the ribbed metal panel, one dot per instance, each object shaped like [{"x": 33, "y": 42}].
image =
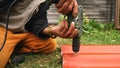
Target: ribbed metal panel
[
  {"x": 101, "y": 10},
  {"x": 53, "y": 15}
]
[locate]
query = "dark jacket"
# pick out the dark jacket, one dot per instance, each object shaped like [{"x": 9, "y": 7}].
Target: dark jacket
[
  {"x": 38, "y": 22},
  {"x": 27, "y": 15},
  {"x": 4, "y": 4}
]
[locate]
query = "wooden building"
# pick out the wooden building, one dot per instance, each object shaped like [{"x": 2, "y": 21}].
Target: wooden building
[
  {"x": 53, "y": 15},
  {"x": 101, "y": 10}
]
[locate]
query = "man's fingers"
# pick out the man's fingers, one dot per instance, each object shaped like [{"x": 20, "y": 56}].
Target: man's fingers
[
  {"x": 75, "y": 9},
  {"x": 64, "y": 7},
  {"x": 75, "y": 32},
  {"x": 60, "y": 3},
  {"x": 65, "y": 29},
  {"x": 62, "y": 25},
  {"x": 71, "y": 29},
  {"x": 69, "y": 8}
]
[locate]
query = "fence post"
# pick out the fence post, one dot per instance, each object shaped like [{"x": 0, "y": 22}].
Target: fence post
[{"x": 117, "y": 15}]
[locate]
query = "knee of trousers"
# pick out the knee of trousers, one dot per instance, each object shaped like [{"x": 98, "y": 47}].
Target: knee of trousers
[{"x": 52, "y": 45}]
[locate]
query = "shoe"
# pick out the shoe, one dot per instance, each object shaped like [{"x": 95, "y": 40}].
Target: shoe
[{"x": 15, "y": 60}]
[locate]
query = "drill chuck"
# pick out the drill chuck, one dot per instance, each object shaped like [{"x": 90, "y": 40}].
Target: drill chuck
[{"x": 76, "y": 44}]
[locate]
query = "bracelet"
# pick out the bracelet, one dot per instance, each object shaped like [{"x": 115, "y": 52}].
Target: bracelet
[{"x": 49, "y": 32}]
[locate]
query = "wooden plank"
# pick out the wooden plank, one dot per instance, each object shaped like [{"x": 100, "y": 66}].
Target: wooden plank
[{"x": 117, "y": 15}]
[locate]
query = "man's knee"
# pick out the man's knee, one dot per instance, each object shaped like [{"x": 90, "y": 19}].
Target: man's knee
[
  {"x": 52, "y": 46},
  {"x": 35, "y": 44}
]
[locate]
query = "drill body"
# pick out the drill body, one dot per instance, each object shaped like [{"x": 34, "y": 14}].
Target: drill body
[{"x": 78, "y": 20}]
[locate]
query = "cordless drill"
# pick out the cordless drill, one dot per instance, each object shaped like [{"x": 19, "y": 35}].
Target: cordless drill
[{"x": 78, "y": 20}]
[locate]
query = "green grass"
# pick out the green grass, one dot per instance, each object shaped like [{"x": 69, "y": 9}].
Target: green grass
[
  {"x": 102, "y": 37},
  {"x": 53, "y": 60}
]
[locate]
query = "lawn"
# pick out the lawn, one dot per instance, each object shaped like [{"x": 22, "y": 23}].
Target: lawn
[{"x": 53, "y": 60}]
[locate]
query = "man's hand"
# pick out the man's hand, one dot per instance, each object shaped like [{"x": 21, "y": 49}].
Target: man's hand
[
  {"x": 66, "y": 6},
  {"x": 63, "y": 31}
]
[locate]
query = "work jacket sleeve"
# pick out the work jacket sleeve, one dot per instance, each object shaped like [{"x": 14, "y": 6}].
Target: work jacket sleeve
[{"x": 38, "y": 22}]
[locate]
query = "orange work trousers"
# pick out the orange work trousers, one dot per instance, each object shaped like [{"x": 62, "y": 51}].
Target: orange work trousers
[{"x": 28, "y": 43}]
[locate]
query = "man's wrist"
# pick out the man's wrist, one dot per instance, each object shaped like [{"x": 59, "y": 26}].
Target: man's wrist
[{"x": 49, "y": 32}]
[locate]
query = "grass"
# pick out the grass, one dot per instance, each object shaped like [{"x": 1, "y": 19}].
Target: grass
[
  {"x": 102, "y": 37},
  {"x": 53, "y": 60}
]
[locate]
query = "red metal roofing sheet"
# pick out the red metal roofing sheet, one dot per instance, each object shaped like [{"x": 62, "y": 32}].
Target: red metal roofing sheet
[{"x": 91, "y": 57}]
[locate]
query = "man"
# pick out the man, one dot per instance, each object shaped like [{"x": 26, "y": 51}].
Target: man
[{"x": 29, "y": 30}]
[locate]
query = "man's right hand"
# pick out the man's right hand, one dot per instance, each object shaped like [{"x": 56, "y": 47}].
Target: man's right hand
[{"x": 63, "y": 31}]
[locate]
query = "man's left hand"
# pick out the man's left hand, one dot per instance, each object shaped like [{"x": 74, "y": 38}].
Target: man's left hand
[{"x": 66, "y": 6}]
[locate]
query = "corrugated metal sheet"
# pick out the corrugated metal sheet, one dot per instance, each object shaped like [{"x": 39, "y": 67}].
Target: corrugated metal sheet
[
  {"x": 53, "y": 15},
  {"x": 94, "y": 9},
  {"x": 99, "y": 9}
]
